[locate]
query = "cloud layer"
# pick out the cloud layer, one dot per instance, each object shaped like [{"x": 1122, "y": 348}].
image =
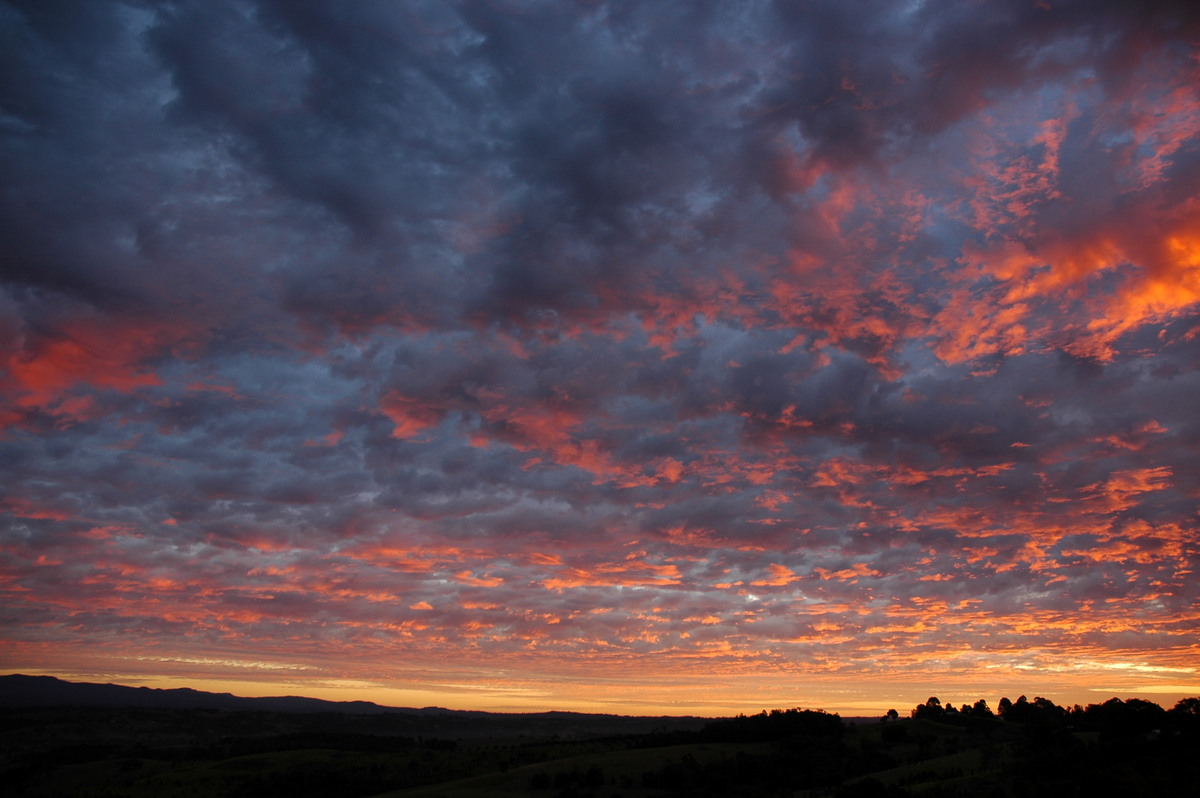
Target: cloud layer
[{"x": 551, "y": 355}]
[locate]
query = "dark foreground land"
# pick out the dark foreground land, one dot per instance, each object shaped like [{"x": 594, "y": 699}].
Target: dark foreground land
[{"x": 158, "y": 745}]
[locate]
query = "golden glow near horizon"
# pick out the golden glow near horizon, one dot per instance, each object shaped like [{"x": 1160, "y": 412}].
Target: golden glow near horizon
[
  {"x": 676, "y": 366},
  {"x": 701, "y": 698},
  {"x": 687, "y": 693}
]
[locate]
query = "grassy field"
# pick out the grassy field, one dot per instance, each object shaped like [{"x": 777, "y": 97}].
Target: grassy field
[
  {"x": 611, "y": 773},
  {"x": 151, "y": 754}
]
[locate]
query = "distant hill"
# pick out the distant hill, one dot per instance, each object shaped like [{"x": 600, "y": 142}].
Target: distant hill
[
  {"x": 184, "y": 716},
  {"x": 20, "y": 691}
]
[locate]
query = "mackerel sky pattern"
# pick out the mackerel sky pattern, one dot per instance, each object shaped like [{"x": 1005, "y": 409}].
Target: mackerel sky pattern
[{"x": 661, "y": 356}]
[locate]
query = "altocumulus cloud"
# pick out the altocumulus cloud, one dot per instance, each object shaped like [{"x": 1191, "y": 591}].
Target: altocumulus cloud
[{"x": 723, "y": 344}]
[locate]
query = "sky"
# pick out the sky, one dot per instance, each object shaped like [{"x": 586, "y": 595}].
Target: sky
[{"x": 649, "y": 358}]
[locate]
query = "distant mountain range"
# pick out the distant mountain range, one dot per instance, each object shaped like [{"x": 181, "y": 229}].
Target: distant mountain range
[
  {"x": 48, "y": 697},
  {"x": 20, "y": 691}
]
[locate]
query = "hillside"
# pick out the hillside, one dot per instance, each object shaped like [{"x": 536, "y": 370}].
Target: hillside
[{"x": 162, "y": 746}]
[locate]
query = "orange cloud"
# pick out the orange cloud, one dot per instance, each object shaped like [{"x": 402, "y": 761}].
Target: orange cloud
[
  {"x": 467, "y": 578},
  {"x": 780, "y": 575},
  {"x": 626, "y": 574},
  {"x": 1118, "y": 491},
  {"x": 44, "y": 373},
  {"x": 411, "y": 417},
  {"x": 851, "y": 574}
]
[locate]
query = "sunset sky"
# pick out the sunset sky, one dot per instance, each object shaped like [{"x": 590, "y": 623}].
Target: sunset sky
[{"x": 663, "y": 357}]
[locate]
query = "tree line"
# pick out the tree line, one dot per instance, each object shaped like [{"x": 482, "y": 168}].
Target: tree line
[{"x": 1112, "y": 718}]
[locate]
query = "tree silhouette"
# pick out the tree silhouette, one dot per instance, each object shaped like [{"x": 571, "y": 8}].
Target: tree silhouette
[
  {"x": 1187, "y": 706},
  {"x": 1132, "y": 718},
  {"x": 931, "y": 709}
]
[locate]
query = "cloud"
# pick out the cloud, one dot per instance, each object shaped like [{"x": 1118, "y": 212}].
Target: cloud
[{"x": 829, "y": 340}]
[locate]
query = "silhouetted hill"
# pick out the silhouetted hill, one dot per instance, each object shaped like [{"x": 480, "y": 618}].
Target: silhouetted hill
[
  {"x": 19, "y": 692},
  {"x": 46, "y": 691},
  {"x": 52, "y": 745}
]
